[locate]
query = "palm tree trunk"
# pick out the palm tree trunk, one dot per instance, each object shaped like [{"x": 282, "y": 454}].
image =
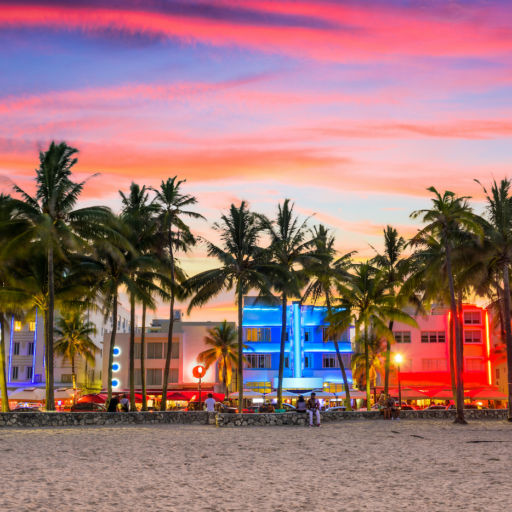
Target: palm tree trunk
[
  {"x": 240, "y": 369},
  {"x": 225, "y": 374},
  {"x": 459, "y": 417},
  {"x": 3, "y": 376},
  {"x": 73, "y": 374},
  {"x": 284, "y": 305},
  {"x": 387, "y": 363},
  {"x": 452, "y": 356},
  {"x": 143, "y": 360},
  {"x": 367, "y": 367},
  {"x": 111, "y": 348},
  {"x": 50, "y": 398},
  {"x": 132, "y": 353},
  {"x": 343, "y": 376},
  {"x": 508, "y": 335},
  {"x": 163, "y": 403}
]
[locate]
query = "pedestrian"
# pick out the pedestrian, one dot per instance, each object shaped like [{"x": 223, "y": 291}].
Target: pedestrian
[
  {"x": 313, "y": 406},
  {"x": 390, "y": 407},
  {"x": 125, "y": 403},
  {"x": 210, "y": 403},
  {"x": 382, "y": 404},
  {"x": 301, "y": 404},
  {"x": 112, "y": 405}
]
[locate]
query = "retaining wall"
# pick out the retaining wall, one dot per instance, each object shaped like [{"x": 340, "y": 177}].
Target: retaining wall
[{"x": 64, "y": 419}]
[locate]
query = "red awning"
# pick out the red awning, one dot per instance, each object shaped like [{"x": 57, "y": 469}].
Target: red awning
[{"x": 92, "y": 398}]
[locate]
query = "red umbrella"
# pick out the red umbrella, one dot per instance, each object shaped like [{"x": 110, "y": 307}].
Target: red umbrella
[
  {"x": 92, "y": 398},
  {"x": 176, "y": 395}
]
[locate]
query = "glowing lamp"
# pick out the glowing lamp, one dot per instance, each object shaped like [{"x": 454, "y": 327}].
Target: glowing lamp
[
  {"x": 116, "y": 367},
  {"x": 115, "y": 383},
  {"x": 399, "y": 359},
  {"x": 117, "y": 351}
]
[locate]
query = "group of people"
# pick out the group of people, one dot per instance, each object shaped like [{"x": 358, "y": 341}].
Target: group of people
[
  {"x": 388, "y": 407},
  {"x": 311, "y": 406},
  {"x": 119, "y": 403}
]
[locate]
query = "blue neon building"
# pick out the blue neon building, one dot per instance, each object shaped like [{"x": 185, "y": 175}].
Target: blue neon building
[{"x": 310, "y": 356}]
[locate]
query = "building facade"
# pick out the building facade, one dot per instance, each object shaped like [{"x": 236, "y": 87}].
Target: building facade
[
  {"x": 24, "y": 347},
  {"x": 188, "y": 343},
  {"x": 310, "y": 355}
]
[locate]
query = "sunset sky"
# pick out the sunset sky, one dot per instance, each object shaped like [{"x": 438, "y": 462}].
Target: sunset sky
[{"x": 349, "y": 108}]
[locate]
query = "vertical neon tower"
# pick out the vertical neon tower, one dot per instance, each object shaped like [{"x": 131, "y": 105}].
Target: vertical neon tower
[{"x": 297, "y": 359}]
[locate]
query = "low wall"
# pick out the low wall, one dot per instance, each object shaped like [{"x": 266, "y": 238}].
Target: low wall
[{"x": 70, "y": 419}]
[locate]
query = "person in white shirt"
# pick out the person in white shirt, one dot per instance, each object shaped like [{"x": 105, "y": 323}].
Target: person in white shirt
[
  {"x": 313, "y": 407},
  {"x": 210, "y": 403}
]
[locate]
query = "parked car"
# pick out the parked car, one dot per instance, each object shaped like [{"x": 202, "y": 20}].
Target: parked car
[
  {"x": 435, "y": 407},
  {"x": 407, "y": 407},
  {"x": 468, "y": 406},
  {"x": 336, "y": 408},
  {"x": 88, "y": 407},
  {"x": 289, "y": 407},
  {"x": 24, "y": 408}
]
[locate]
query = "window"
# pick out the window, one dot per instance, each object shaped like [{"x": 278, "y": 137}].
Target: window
[
  {"x": 16, "y": 349},
  {"x": 257, "y": 334},
  {"x": 137, "y": 350},
  {"x": 325, "y": 335},
  {"x": 434, "y": 365},
  {"x": 259, "y": 361},
  {"x": 17, "y": 325},
  {"x": 138, "y": 377},
  {"x": 154, "y": 351},
  {"x": 14, "y": 373},
  {"x": 260, "y": 387},
  {"x": 308, "y": 334},
  {"x": 472, "y": 318},
  {"x": 473, "y": 336},
  {"x": 175, "y": 351},
  {"x": 174, "y": 376},
  {"x": 66, "y": 377},
  {"x": 433, "y": 337},
  {"x": 154, "y": 377},
  {"x": 330, "y": 387},
  {"x": 402, "y": 336},
  {"x": 30, "y": 348},
  {"x": 308, "y": 361},
  {"x": 475, "y": 364},
  {"x": 32, "y": 326},
  {"x": 28, "y": 372},
  {"x": 287, "y": 362},
  {"x": 329, "y": 361}
]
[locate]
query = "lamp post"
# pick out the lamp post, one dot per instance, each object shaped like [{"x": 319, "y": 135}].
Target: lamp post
[
  {"x": 398, "y": 360},
  {"x": 198, "y": 372}
]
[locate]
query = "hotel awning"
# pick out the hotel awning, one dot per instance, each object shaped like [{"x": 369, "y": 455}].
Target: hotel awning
[{"x": 28, "y": 394}]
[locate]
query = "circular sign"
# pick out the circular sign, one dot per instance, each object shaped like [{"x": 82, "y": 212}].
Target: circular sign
[{"x": 198, "y": 371}]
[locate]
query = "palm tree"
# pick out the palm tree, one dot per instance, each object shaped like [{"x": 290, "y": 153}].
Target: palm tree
[
  {"x": 375, "y": 349},
  {"x": 445, "y": 220},
  {"x": 289, "y": 250},
  {"x": 367, "y": 303},
  {"x": 172, "y": 209},
  {"x": 74, "y": 339},
  {"x": 394, "y": 267},
  {"x": 56, "y": 226},
  {"x": 243, "y": 267},
  {"x": 224, "y": 351},
  {"x": 499, "y": 237},
  {"x": 325, "y": 271}
]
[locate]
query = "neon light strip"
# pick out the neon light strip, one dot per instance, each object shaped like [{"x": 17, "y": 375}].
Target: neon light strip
[
  {"x": 488, "y": 346},
  {"x": 296, "y": 341},
  {"x": 34, "y": 354},
  {"x": 10, "y": 349}
]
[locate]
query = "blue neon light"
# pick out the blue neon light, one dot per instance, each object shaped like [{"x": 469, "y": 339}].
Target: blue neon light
[
  {"x": 34, "y": 354},
  {"x": 10, "y": 348},
  {"x": 116, "y": 367},
  {"x": 117, "y": 351},
  {"x": 296, "y": 341},
  {"x": 115, "y": 383}
]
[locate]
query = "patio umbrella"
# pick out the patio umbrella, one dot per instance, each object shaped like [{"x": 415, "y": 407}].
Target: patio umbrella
[
  {"x": 93, "y": 398},
  {"x": 64, "y": 393},
  {"x": 176, "y": 395},
  {"x": 247, "y": 394},
  {"x": 28, "y": 394},
  {"x": 487, "y": 393},
  {"x": 320, "y": 394},
  {"x": 286, "y": 394}
]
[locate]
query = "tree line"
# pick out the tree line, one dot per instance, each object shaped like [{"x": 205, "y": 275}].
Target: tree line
[{"x": 55, "y": 256}]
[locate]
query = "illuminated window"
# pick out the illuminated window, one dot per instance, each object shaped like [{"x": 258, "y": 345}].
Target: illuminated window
[
  {"x": 257, "y": 334},
  {"x": 260, "y": 387},
  {"x": 402, "y": 336},
  {"x": 17, "y": 325},
  {"x": 32, "y": 326},
  {"x": 258, "y": 361},
  {"x": 331, "y": 387},
  {"x": 475, "y": 364},
  {"x": 472, "y": 318},
  {"x": 434, "y": 365},
  {"x": 473, "y": 336}
]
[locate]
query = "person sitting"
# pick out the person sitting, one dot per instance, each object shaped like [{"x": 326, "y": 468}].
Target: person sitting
[
  {"x": 313, "y": 406},
  {"x": 301, "y": 405}
]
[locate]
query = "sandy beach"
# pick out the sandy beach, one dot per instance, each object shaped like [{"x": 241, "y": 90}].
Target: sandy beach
[{"x": 356, "y": 466}]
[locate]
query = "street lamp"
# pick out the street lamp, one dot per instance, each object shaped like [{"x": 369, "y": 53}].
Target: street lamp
[{"x": 399, "y": 359}]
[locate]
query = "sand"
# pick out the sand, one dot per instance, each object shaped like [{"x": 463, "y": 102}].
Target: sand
[{"x": 356, "y": 466}]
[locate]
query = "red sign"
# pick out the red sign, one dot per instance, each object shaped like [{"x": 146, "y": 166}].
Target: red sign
[{"x": 198, "y": 371}]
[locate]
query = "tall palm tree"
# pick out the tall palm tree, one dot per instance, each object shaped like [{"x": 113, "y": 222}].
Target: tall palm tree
[
  {"x": 243, "y": 267},
  {"x": 223, "y": 350},
  {"x": 325, "y": 271},
  {"x": 499, "y": 237},
  {"x": 391, "y": 262},
  {"x": 447, "y": 217},
  {"x": 173, "y": 208},
  {"x": 56, "y": 226},
  {"x": 74, "y": 339},
  {"x": 375, "y": 349},
  {"x": 290, "y": 252},
  {"x": 366, "y": 302}
]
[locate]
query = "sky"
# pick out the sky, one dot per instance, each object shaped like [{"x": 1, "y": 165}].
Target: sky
[{"x": 349, "y": 108}]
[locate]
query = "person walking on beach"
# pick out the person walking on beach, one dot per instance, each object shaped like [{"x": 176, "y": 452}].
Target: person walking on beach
[
  {"x": 210, "y": 403},
  {"x": 125, "y": 403},
  {"x": 313, "y": 406},
  {"x": 382, "y": 404},
  {"x": 301, "y": 404},
  {"x": 114, "y": 402}
]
